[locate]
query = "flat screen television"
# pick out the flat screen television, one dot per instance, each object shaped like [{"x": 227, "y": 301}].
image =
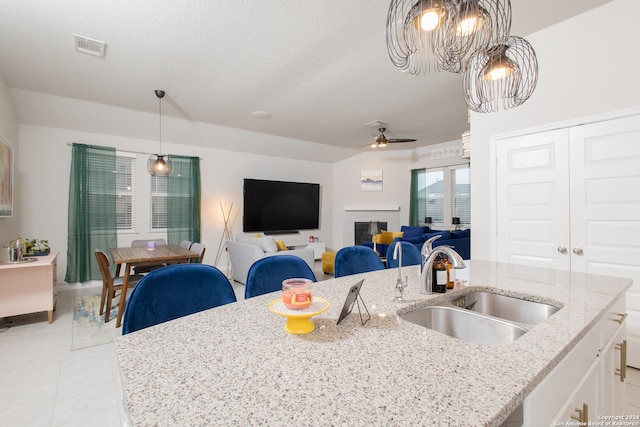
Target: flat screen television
[{"x": 280, "y": 207}]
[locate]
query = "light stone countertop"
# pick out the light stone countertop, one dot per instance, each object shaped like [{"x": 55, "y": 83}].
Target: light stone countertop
[{"x": 235, "y": 364}]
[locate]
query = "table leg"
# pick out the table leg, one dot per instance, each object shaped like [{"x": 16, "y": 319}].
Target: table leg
[{"x": 123, "y": 294}]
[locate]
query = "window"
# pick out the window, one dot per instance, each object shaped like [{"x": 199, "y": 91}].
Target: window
[
  {"x": 461, "y": 194},
  {"x": 159, "y": 185},
  {"x": 125, "y": 192},
  {"x": 441, "y": 193}
]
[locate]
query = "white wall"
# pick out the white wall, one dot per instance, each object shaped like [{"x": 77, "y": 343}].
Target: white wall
[
  {"x": 45, "y": 165},
  {"x": 396, "y": 168},
  {"x": 9, "y": 131},
  {"x": 588, "y": 67}
]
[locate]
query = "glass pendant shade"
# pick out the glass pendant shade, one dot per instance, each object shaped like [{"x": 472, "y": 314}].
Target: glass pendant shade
[{"x": 160, "y": 164}]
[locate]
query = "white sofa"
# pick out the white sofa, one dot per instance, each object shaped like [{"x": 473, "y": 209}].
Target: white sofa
[{"x": 243, "y": 254}]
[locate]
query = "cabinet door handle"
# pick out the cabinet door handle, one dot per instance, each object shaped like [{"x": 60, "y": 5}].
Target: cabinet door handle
[
  {"x": 622, "y": 372},
  {"x": 578, "y": 251},
  {"x": 562, "y": 249},
  {"x": 622, "y": 317},
  {"x": 583, "y": 414}
]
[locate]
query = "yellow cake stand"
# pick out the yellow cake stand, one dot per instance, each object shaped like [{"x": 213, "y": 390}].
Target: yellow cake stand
[{"x": 299, "y": 321}]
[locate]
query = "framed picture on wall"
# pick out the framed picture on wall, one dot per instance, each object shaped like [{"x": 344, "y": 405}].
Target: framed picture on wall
[
  {"x": 371, "y": 180},
  {"x": 6, "y": 178}
]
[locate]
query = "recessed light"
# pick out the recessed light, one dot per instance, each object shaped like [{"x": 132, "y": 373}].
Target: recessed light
[{"x": 261, "y": 114}]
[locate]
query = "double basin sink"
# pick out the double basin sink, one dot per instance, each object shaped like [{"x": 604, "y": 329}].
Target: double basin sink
[{"x": 482, "y": 317}]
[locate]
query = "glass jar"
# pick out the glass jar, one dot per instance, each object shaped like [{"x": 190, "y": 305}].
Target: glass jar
[{"x": 297, "y": 293}]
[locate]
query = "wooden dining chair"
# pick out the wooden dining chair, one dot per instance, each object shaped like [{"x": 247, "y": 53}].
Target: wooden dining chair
[
  {"x": 175, "y": 291},
  {"x": 145, "y": 243},
  {"x": 110, "y": 284},
  {"x": 185, "y": 244},
  {"x": 199, "y": 249}
]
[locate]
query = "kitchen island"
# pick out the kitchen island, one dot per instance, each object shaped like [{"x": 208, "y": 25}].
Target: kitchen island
[{"x": 235, "y": 364}]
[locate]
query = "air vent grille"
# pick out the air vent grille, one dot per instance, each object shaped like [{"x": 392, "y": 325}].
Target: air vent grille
[
  {"x": 375, "y": 124},
  {"x": 89, "y": 46}
]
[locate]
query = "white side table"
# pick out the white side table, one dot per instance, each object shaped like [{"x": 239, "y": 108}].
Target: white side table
[{"x": 318, "y": 249}]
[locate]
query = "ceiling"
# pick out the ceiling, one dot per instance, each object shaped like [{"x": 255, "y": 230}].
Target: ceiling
[{"x": 319, "y": 68}]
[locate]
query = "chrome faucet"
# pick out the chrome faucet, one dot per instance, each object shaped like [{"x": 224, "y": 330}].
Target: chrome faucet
[
  {"x": 426, "y": 279},
  {"x": 400, "y": 284}
]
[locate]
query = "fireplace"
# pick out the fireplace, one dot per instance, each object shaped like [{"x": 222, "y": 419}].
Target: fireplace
[
  {"x": 387, "y": 218},
  {"x": 363, "y": 230}
]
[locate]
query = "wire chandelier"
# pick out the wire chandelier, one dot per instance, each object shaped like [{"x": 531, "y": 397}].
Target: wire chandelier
[
  {"x": 506, "y": 72},
  {"x": 428, "y": 36}
]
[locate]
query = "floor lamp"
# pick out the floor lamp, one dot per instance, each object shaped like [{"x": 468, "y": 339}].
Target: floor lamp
[{"x": 226, "y": 235}]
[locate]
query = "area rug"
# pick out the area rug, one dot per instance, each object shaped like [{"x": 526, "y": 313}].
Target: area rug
[{"x": 88, "y": 327}]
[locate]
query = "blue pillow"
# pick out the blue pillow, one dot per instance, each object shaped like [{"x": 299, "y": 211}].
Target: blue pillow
[
  {"x": 413, "y": 231},
  {"x": 460, "y": 234}
]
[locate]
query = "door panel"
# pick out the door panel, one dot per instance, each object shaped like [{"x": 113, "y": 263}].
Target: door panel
[
  {"x": 576, "y": 189},
  {"x": 605, "y": 207},
  {"x": 533, "y": 200}
]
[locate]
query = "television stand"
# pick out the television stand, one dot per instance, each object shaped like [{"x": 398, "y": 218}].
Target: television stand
[{"x": 272, "y": 233}]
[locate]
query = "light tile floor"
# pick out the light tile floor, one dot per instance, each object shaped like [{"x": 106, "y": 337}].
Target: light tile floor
[{"x": 44, "y": 383}]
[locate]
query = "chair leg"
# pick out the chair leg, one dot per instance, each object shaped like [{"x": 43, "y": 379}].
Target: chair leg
[
  {"x": 111, "y": 294},
  {"x": 102, "y": 300}
]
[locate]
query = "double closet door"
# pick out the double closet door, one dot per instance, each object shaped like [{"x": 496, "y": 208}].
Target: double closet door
[{"x": 569, "y": 199}]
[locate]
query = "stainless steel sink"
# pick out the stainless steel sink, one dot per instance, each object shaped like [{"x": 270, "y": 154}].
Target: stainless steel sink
[
  {"x": 465, "y": 325},
  {"x": 505, "y": 307}
]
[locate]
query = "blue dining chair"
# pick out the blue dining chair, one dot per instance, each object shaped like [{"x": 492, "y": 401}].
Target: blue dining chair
[
  {"x": 175, "y": 291},
  {"x": 356, "y": 259},
  {"x": 266, "y": 274},
  {"x": 410, "y": 254}
]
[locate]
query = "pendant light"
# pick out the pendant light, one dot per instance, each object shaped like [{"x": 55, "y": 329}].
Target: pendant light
[
  {"x": 160, "y": 164},
  {"x": 504, "y": 76}
]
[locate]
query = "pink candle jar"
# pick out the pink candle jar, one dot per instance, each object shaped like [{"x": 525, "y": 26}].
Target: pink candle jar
[
  {"x": 297, "y": 293},
  {"x": 151, "y": 245}
]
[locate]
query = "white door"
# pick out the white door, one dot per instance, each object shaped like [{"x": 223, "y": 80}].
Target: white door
[
  {"x": 605, "y": 208},
  {"x": 570, "y": 199},
  {"x": 533, "y": 200}
]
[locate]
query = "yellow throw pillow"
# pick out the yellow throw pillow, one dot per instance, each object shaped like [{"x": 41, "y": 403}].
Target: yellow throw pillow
[
  {"x": 281, "y": 245},
  {"x": 387, "y": 237}
]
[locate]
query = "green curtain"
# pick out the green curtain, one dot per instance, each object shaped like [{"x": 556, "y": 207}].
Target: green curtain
[
  {"x": 92, "y": 210},
  {"x": 183, "y": 200},
  {"x": 415, "y": 197}
]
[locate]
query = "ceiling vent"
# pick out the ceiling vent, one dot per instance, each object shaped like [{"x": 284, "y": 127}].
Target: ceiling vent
[
  {"x": 89, "y": 46},
  {"x": 375, "y": 124}
]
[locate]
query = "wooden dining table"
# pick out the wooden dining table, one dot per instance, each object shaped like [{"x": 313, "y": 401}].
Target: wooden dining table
[{"x": 141, "y": 256}]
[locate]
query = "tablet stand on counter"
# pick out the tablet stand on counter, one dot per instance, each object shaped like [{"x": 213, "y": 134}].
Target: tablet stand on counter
[{"x": 354, "y": 297}]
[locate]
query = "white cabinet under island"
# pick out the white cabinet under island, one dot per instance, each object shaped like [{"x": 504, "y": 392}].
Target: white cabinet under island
[{"x": 235, "y": 364}]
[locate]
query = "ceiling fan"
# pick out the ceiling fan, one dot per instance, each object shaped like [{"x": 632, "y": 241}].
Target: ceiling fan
[{"x": 382, "y": 141}]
